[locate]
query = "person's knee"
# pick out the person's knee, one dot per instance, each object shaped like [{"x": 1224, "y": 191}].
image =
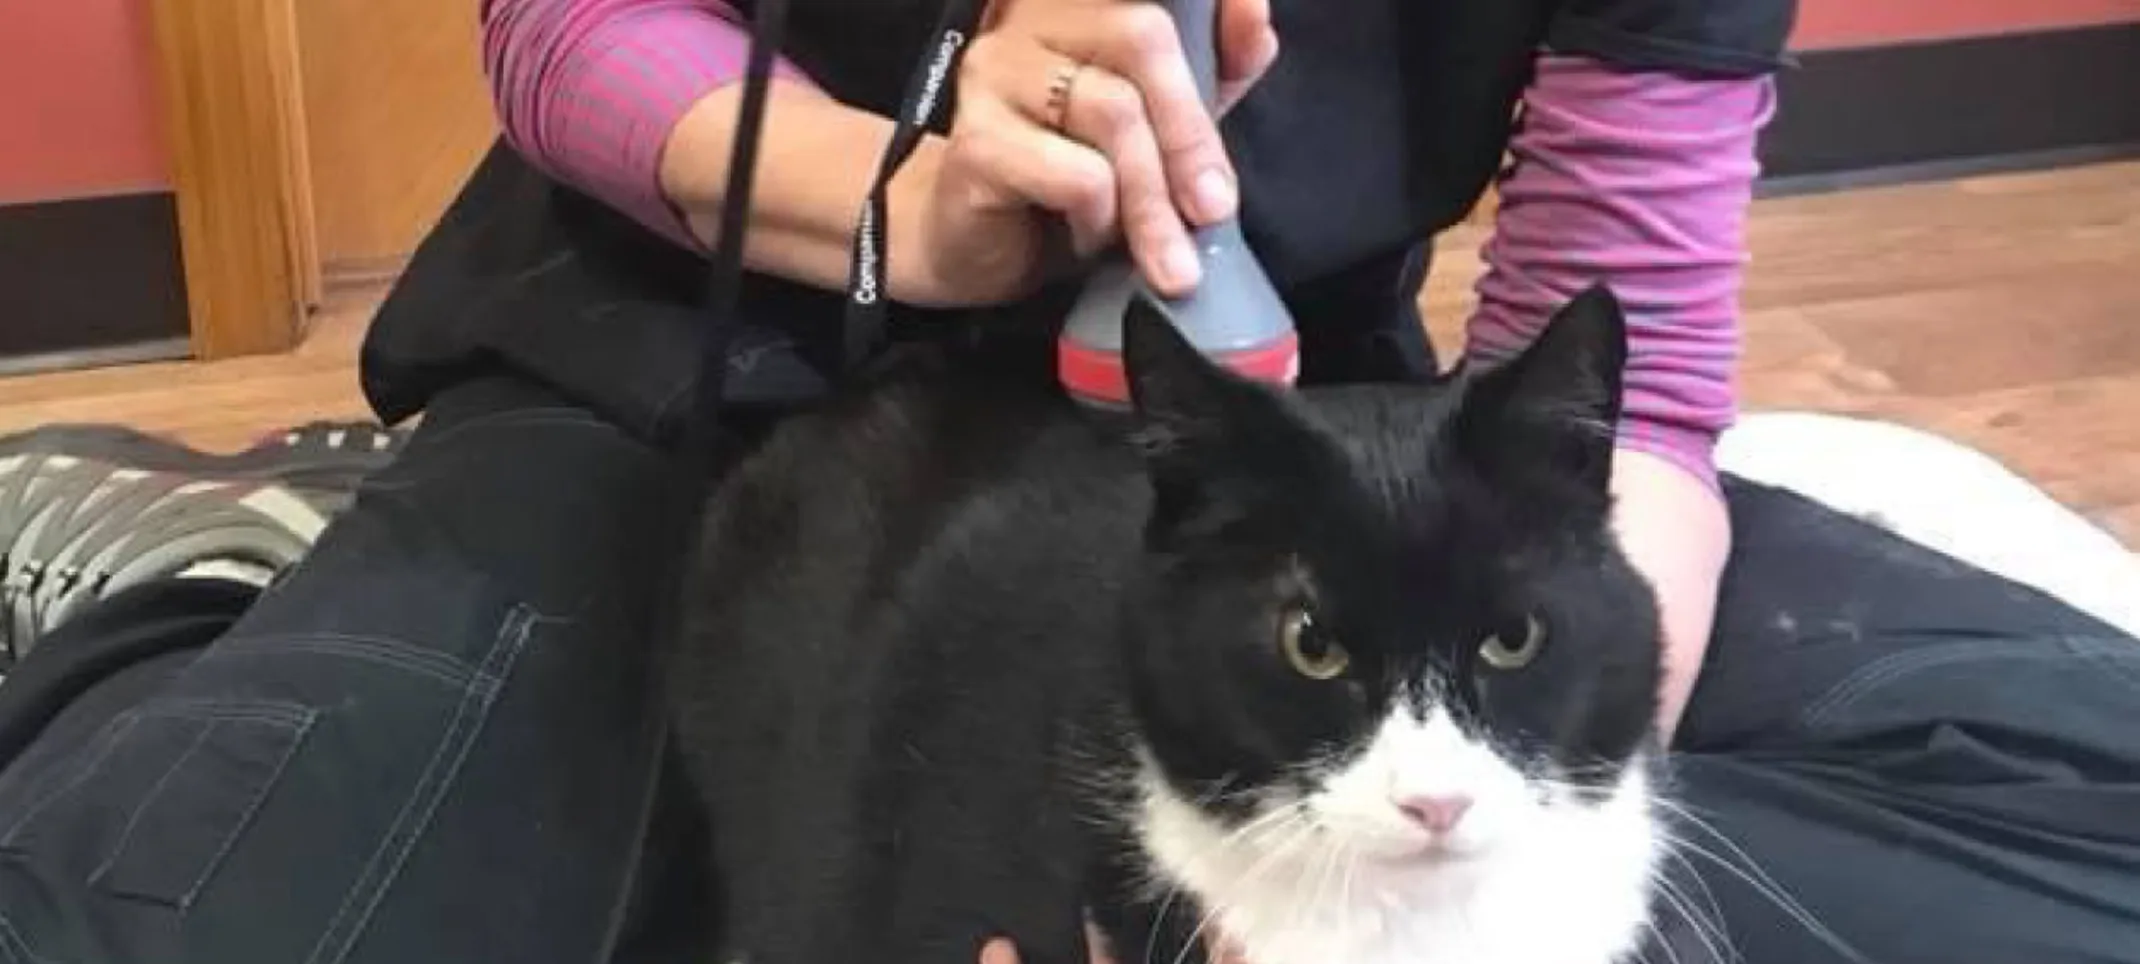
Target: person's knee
[{"x": 1833, "y": 857}]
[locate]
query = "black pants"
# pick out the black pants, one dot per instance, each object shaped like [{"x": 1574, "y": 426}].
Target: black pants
[{"x": 434, "y": 741}]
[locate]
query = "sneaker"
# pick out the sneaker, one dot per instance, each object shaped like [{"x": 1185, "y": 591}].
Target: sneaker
[
  {"x": 324, "y": 460},
  {"x": 89, "y": 510}
]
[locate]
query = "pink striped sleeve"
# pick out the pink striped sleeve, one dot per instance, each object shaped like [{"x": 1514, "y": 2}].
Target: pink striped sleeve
[
  {"x": 589, "y": 90},
  {"x": 1641, "y": 180}
]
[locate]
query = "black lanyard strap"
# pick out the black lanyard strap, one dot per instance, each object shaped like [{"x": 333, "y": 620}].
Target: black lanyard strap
[
  {"x": 927, "y": 89},
  {"x": 724, "y": 276}
]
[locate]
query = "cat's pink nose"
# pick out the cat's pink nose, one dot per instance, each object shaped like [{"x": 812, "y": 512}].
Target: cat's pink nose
[{"x": 1436, "y": 812}]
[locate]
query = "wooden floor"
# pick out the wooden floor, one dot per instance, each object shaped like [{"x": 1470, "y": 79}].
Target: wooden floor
[{"x": 2004, "y": 311}]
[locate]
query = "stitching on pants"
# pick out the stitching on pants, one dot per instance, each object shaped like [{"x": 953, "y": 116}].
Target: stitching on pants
[
  {"x": 664, "y": 410},
  {"x": 1884, "y": 671},
  {"x": 14, "y": 947},
  {"x": 2120, "y": 656},
  {"x": 18, "y": 950},
  {"x": 371, "y": 649},
  {"x": 293, "y": 718},
  {"x": 261, "y": 711},
  {"x": 155, "y": 790},
  {"x": 438, "y": 775},
  {"x": 390, "y": 482},
  {"x": 252, "y": 808},
  {"x": 118, "y": 731},
  {"x": 1879, "y": 670},
  {"x": 523, "y": 418},
  {"x": 334, "y": 944}
]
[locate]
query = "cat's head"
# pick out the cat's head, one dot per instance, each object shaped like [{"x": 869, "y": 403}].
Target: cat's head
[{"x": 1385, "y": 634}]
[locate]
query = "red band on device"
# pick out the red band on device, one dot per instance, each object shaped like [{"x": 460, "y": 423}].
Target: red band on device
[{"x": 1092, "y": 373}]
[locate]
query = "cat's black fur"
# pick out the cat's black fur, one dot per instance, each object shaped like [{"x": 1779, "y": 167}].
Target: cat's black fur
[{"x": 929, "y": 624}]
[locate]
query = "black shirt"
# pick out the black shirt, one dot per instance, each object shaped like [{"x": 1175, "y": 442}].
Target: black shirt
[{"x": 1380, "y": 124}]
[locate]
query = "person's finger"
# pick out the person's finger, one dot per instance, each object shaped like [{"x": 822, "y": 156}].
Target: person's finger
[
  {"x": 1224, "y": 951},
  {"x": 998, "y": 137},
  {"x": 999, "y": 951},
  {"x": 1096, "y": 947},
  {"x": 1093, "y": 106},
  {"x": 1005, "y": 158},
  {"x": 1247, "y": 47},
  {"x": 1104, "y": 110},
  {"x": 1138, "y": 42},
  {"x": 1246, "y": 39}
]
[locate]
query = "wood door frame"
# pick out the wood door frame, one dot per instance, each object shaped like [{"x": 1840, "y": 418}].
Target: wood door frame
[{"x": 234, "y": 121}]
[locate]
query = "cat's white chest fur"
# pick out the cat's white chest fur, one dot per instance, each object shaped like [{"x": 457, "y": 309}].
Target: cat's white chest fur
[{"x": 1528, "y": 875}]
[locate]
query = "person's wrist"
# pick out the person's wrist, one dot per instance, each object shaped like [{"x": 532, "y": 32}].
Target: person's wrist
[
  {"x": 911, "y": 274},
  {"x": 1676, "y": 530}
]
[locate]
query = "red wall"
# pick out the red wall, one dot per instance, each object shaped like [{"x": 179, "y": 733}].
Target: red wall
[
  {"x": 1852, "y": 23},
  {"x": 78, "y": 114}
]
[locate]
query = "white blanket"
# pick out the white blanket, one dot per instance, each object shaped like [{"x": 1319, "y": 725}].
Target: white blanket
[{"x": 1942, "y": 494}]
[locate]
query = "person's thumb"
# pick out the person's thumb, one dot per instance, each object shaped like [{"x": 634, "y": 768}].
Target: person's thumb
[{"x": 1247, "y": 47}]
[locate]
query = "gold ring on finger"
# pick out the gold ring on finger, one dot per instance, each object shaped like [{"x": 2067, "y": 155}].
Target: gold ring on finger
[{"x": 1060, "y": 86}]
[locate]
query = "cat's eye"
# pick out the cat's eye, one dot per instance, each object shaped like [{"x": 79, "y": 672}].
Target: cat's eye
[
  {"x": 1514, "y": 647},
  {"x": 1309, "y": 649}
]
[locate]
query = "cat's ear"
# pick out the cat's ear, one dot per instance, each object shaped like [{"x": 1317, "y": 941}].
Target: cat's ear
[
  {"x": 1554, "y": 406},
  {"x": 1210, "y": 439},
  {"x": 1183, "y": 400}
]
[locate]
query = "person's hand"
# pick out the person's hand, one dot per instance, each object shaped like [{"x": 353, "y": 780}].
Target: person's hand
[
  {"x": 1079, "y": 115},
  {"x": 1002, "y": 951}
]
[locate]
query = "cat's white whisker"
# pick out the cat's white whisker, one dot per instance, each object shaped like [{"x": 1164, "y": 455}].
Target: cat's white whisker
[
  {"x": 1747, "y": 869},
  {"x": 1765, "y": 886},
  {"x": 1220, "y": 791},
  {"x": 1713, "y": 917},
  {"x": 1463, "y": 919},
  {"x": 1257, "y": 827},
  {"x": 1352, "y": 866},
  {"x": 1662, "y": 942},
  {"x": 1263, "y": 824},
  {"x": 1708, "y": 895},
  {"x": 1702, "y": 928},
  {"x": 1641, "y": 952},
  {"x": 1271, "y": 822},
  {"x": 1303, "y": 830},
  {"x": 1189, "y": 946},
  {"x": 1323, "y": 881},
  {"x": 1393, "y": 886},
  {"x": 1159, "y": 924}
]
